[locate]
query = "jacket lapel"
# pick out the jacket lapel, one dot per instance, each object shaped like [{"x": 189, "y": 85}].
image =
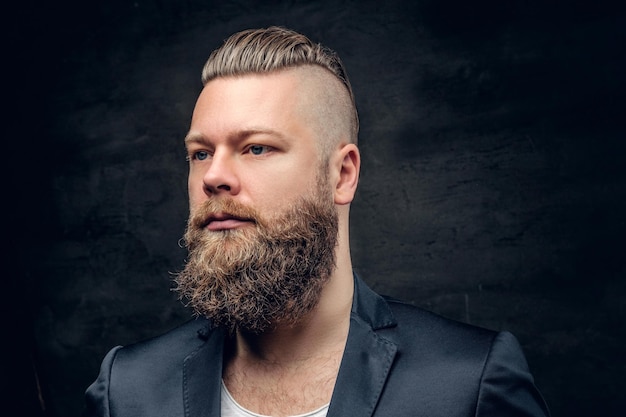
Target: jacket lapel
[
  {"x": 202, "y": 376},
  {"x": 367, "y": 358}
]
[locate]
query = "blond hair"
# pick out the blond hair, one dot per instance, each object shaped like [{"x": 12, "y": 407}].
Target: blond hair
[{"x": 275, "y": 48}]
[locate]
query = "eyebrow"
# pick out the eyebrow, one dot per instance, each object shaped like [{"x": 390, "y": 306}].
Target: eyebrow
[
  {"x": 239, "y": 135},
  {"x": 194, "y": 138}
]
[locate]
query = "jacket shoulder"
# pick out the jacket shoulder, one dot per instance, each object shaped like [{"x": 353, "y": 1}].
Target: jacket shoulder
[
  {"x": 416, "y": 322},
  {"x": 146, "y": 378},
  {"x": 461, "y": 368},
  {"x": 174, "y": 345}
]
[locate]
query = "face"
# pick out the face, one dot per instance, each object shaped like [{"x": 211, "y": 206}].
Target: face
[
  {"x": 249, "y": 142},
  {"x": 263, "y": 225}
]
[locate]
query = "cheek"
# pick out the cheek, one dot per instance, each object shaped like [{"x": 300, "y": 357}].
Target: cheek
[
  {"x": 195, "y": 191},
  {"x": 284, "y": 191}
]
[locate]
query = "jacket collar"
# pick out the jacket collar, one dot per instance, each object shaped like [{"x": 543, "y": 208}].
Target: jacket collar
[
  {"x": 202, "y": 375},
  {"x": 367, "y": 358},
  {"x": 371, "y": 308},
  {"x": 364, "y": 368}
]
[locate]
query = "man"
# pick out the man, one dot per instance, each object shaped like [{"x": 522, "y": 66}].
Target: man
[{"x": 284, "y": 327}]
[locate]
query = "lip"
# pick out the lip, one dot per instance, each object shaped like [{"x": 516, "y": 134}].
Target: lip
[{"x": 225, "y": 221}]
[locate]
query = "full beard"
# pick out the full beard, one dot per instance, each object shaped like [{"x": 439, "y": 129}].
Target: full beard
[{"x": 258, "y": 277}]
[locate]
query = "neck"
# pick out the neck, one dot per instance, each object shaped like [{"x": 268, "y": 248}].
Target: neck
[
  {"x": 292, "y": 369},
  {"x": 323, "y": 331}
]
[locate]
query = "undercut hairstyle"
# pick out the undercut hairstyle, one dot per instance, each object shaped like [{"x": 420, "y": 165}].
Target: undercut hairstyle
[{"x": 258, "y": 51}]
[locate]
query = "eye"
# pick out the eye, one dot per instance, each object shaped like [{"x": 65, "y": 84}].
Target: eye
[
  {"x": 200, "y": 155},
  {"x": 258, "y": 149}
]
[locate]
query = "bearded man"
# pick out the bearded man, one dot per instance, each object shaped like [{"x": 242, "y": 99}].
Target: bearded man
[{"x": 284, "y": 327}]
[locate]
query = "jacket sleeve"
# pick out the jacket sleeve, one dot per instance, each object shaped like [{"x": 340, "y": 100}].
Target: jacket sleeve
[
  {"x": 97, "y": 395},
  {"x": 507, "y": 387}
]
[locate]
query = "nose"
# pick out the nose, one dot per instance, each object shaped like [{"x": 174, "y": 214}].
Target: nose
[{"x": 221, "y": 176}]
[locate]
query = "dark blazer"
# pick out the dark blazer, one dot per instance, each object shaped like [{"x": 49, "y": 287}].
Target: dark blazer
[{"x": 399, "y": 361}]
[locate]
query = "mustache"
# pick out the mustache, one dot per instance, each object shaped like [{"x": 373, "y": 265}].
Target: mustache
[{"x": 220, "y": 208}]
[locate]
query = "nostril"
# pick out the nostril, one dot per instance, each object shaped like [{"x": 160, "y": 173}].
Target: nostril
[{"x": 210, "y": 189}]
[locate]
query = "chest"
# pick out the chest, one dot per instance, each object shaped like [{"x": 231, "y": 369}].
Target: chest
[{"x": 274, "y": 391}]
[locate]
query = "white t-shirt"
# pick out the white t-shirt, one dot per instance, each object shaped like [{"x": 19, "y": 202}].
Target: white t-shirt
[{"x": 230, "y": 408}]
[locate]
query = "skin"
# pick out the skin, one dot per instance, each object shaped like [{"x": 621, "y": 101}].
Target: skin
[{"x": 254, "y": 138}]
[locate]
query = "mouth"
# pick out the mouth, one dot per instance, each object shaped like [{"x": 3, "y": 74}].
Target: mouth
[{"x": 225, "y": 221}]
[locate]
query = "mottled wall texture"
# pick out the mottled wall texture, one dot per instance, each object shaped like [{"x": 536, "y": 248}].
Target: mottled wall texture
[{"x": 493, "y": 188}]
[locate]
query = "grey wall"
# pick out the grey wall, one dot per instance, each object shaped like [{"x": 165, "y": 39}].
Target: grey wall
[{"x": 493, "y": 184}]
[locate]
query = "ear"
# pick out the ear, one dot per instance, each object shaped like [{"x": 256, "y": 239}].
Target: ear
[{"x": 348, "y": 164}]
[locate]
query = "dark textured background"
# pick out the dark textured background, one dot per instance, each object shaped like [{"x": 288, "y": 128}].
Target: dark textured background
[{"x": 493, "y": 188}]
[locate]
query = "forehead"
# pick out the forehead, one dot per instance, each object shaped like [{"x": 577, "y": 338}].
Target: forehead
[
  {"x": 250, "y": 92},
  {"x": 276, "y": 101}
]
